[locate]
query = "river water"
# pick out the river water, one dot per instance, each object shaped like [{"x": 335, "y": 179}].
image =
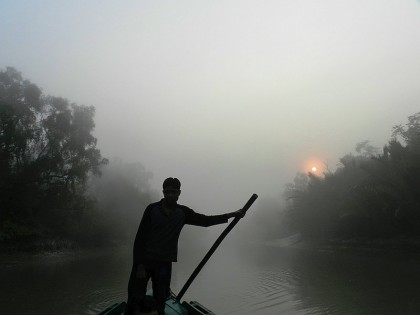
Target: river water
[{"x": 253, "y": 280}]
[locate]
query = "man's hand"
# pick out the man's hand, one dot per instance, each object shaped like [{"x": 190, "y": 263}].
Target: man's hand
[
  {"x": 236, "y": 214},
  {"x": 239, "y": 214}
]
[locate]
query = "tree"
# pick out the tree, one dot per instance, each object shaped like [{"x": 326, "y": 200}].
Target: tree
[
  {"x": 370, "y": 195},
  {"x": 366, "y": 149},
  {"x": 410, "y": 133},
  {"x": 122, "y": 193},
  {"x": 47, "y": 151}
]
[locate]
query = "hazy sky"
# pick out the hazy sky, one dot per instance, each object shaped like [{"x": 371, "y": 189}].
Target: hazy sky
[{"x": 232, "y": 97}]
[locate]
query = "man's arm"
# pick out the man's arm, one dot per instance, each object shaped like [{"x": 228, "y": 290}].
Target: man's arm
[{"x": 194, "y": 218}]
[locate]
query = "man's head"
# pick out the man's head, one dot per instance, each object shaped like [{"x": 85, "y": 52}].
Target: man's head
[
  {"x": 146, "y": 305},
  {"x": 171, "y": 190}
]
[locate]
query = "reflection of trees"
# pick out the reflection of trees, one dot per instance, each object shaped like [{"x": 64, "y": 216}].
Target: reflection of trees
[
  {"x": 355, "y": 283},
  {"x": 343, "y": 282},
  {"x": 369, "y": 195}
]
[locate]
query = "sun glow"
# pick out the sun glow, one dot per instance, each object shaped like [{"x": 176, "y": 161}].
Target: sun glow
[{"x": 313, "y": 165}]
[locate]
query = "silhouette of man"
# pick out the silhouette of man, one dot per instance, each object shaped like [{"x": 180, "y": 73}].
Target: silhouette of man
[{"x": 156, "y": 243}]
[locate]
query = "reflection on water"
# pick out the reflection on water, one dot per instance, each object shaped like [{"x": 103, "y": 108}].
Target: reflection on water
[
  {"x": 258, "y": 280},
  {"x": 63, "y": 284},
  {"x": 346, "y": 282}
]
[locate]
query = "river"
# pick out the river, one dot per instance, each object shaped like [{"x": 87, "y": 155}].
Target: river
[{"x": 254, "y": 280}]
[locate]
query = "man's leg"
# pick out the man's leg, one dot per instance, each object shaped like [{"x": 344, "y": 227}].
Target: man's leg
[
  {"x": 137, "y": 286},
  {"x": 161, "y": 281}
]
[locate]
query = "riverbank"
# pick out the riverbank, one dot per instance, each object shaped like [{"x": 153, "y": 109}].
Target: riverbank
[
  {"x": 53, "y": 250},
  {"x": 39, "y": 246},
  {"x": 14, "y": 257},
  {"x": 395, "y": 244}
]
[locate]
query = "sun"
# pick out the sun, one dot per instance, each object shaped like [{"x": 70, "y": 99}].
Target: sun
[{"x": 313, "y": 165}]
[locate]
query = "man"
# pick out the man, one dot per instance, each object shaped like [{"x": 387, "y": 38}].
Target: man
[{"x": 156, "y": 243}]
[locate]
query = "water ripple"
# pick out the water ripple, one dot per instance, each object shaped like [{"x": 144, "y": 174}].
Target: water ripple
[{"x": 271, "y": 291}]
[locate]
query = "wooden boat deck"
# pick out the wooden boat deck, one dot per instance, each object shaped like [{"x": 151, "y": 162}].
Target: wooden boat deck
[{"x": 172, "y": 307}]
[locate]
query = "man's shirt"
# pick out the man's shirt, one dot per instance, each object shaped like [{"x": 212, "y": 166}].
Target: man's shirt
[{"x": 158, "y": 233}]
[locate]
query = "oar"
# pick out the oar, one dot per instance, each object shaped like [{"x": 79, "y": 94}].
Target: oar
[{"x": 214, "y": 247}]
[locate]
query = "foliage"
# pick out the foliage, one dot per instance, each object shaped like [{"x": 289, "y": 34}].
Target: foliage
[
  {"x": 122, "y": 193},
  {"x": 47, "y": 152},
  {"x": 370, "y": 195},
  {"x": 50, "y": 194}
]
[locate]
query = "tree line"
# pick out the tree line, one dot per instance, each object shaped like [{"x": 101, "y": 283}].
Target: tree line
[
  {"x": 57, "y": 189},
  {"x": 50, "y": 188},
  {"x": 371, "y": 195}
]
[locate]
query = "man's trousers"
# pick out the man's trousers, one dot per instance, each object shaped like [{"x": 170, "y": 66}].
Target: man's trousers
[{"x": 160, "y": 274}]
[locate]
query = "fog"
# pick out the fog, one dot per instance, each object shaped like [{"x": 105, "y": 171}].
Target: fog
[{"x": 231, "y": 97}]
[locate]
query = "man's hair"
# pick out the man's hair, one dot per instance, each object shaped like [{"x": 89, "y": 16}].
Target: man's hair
[
  {"x": 172, "y": 182},
  {"x": 145, "y": 304}
]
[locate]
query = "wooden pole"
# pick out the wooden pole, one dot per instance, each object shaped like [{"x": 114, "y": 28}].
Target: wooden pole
[{"x": 213, "y": 248}]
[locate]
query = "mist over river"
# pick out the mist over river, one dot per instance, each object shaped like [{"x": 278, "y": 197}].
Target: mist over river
[{"x": 253, "y": 280}]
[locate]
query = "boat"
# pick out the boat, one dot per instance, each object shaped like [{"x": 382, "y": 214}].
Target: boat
[{"x": 173, "y": 305}]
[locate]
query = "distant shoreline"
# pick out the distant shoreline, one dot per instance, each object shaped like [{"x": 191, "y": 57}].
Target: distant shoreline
[
  {"x": 52, "y": 247},
  {"x": 395, "y": 244}
]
